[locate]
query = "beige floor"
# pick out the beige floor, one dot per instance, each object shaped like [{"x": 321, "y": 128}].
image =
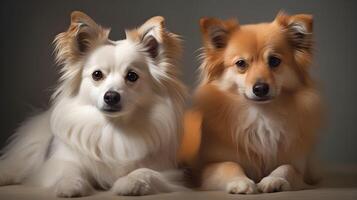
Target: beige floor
[{"x": 338, "y": 184}]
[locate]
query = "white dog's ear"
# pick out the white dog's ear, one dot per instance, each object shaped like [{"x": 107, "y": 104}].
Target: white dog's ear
[
  {"x": 154, "y": 38},
  {"x": 82, "y": 36}
]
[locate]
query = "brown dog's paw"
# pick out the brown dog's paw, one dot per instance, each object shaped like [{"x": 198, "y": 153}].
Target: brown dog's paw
[
  {"x": 241, "y": 186},
  {"x": 273, "y": 184}
]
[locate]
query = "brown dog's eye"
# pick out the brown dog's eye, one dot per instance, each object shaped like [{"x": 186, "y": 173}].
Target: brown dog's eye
[
  {"x": 274, "y": 61},
  {"x": 97, "y": 75},
  {"x": 241, "y": 64}
]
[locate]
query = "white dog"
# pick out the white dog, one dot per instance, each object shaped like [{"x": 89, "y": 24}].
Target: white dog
[{"x": 115, "y": 118}]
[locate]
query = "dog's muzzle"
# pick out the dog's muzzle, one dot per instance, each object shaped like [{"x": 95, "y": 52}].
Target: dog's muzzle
[{"x": 261, "y": 92}]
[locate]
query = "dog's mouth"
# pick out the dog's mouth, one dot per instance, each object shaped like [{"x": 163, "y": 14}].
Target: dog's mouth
[
  {"x": 265, "y": 99},
  {"x": 111, "y": 109}
]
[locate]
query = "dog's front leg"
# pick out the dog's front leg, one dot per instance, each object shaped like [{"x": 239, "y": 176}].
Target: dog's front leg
[
  {"x": 227, "y": 176},
  {"x": 72, "y": 183},
  {"x": 283, "y": 178},
  {"x": 66, "y": 178},
  {"x": 144, "y": 181}
]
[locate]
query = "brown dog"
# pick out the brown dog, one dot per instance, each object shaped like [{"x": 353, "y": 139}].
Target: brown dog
[{"x": 256, "y": 111}]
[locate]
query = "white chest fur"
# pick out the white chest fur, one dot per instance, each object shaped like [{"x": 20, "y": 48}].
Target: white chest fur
[
  {"x": 112, "y": 148},
  {"x": 260, "y": 133}
]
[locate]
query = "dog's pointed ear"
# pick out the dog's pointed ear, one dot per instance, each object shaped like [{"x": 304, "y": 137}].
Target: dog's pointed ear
[
  {"x": 217, "y": 32},
  {"x": 82, "y": 36},
  {"x": 87, "y": 30},
  {"x": 151, "y": 35},
  {"x": 299, "y": 31}
]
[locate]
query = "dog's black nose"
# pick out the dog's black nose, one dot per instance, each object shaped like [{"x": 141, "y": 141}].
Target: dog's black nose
[
  {"x": 261, "y": 89},
  {"x": 111, "y": 98}
]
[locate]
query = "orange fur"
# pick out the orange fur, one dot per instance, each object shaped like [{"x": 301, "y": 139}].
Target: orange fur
[
  {"x": 192, "y": 137},
  {"x": 267, "y": 140}
]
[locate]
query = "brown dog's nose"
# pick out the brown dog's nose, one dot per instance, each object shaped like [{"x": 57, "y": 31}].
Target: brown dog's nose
[{"x": 261, "y": 89}]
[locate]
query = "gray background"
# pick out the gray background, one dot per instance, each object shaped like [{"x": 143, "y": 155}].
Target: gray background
[{"x": 28, "y": 71}]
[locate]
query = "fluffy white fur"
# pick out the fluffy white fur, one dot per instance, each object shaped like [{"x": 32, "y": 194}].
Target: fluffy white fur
[{"x": 75, "y": 146}]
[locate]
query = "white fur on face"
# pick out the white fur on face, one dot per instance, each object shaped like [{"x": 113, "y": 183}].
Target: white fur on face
[
  {"x": 115, "y": 61},
  {"x": 232, "y": 80}
]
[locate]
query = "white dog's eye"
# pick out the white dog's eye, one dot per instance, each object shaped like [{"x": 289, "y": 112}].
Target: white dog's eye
[
  {"x": 132, "y": 76},
  {"x": 97, "y": 75}
]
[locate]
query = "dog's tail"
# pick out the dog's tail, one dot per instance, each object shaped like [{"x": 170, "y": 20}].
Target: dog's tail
[
  {"x": 26, "y": 151},
  {"x": 191, "y": 139}
]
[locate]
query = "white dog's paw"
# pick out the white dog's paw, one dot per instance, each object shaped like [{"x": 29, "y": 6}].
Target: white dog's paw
[
  {"x": 6, "y": 172},
  {"x": 139, "y": 182},
  {"x": 6, "y": 178},
  {"x": 67, "y": 187},
  {"x": 273, "y": 184},
  {"x": 242, "y": 186},
  {"x": 129, "y": 186}
]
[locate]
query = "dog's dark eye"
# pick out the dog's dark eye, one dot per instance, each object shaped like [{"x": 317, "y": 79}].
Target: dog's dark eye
[
  {"x": 241, "y": 64},
  {"x": 132, "y": 76},
  {"x": 97, "y": 75},
  {"x": 274, "y": 61}
]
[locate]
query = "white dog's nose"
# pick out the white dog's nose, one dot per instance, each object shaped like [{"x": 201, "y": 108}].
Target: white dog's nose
[{"x": 111, "y": 98}]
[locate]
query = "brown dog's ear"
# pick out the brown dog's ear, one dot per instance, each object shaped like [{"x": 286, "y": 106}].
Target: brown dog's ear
[
  {"x": 151, "y": 35},
  {"x": 82, "y": 35},
  {"x": 299, "y": 29},
  {"x": 216, "y": 32}
]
